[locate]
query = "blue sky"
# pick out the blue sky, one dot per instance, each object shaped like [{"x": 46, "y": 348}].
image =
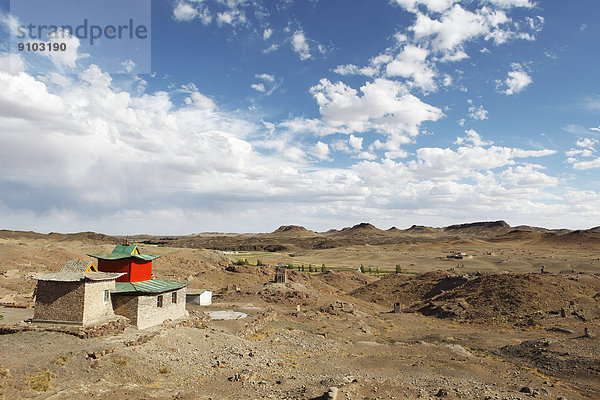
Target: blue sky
[{"x": 322, "y": 113}]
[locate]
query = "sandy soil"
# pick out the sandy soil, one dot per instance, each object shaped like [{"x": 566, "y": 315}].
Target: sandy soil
[{"x": 343, "y": 335}]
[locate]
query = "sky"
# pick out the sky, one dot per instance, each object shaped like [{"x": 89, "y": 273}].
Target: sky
[{"x": 244, "y": 115}]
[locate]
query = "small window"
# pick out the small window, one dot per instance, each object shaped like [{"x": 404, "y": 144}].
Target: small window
[
  {"x": 159, "y": 301},
  {"x": 174, "y": 297},
  {"x": 106, "y": 296}
]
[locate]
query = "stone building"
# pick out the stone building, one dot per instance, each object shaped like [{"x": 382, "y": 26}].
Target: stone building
[
  {"x": 150, "y": 302},
  {"x": 145, "y": 301},
  {"x": 82, "y": 294},
  {"x": 77, "y": 294}
]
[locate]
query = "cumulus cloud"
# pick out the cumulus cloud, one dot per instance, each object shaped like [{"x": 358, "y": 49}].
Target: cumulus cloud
[
  {"x": 412, "y": 63},
  {"x": 190, "y": 150},
  {"x": 517, "y": 80},
  {"x": 300, "y": 45},
  {"x": 385, "y": 106},
  {"x": 184, "y": 12},
  {"x": 321, "y": 151},
  {"x": 231, "y": 17},
  {"x": 472, "y": 137},
  {"x": 259, "y": 87},
  {"x": 12, "y": 63},
  {"x": 267, "y": 33}
]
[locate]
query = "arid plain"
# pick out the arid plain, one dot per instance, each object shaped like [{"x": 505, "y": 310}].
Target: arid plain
[{"x": 477, "y": 320}]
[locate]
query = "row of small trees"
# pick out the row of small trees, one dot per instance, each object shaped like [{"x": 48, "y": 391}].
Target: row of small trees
[
  {"x": 310, "y": 268},
  {"x": 363, "y": 269},
  {"x": 369, "y": 270}
]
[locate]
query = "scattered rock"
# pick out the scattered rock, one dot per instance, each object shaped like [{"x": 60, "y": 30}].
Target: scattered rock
[{"x": 332, "y": 394}]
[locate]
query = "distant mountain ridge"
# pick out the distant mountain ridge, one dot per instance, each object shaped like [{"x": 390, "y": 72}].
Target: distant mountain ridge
[{"x": 295, "y": 237}]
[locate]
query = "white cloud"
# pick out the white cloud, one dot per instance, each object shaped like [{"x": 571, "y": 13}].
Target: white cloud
[
  {"x": 411, "y": 63},
  {"x": 321, "y": 151},
  {"x": 576, "y": 129},
  {"x": 267, "y": 33},
  {"x": 265, "y": 77},
  {"x": 231, "y": 17},
  {"x": 273, "y": 47},
  {"x": 456, "y": 26},
  {"x": 259, "y": 87},
  {"x": 518, "y": 79},
  {"x": 512, "y": 3},
  {"x": 466, "y": 161},
  {"x": 477, "y": 112},
  {"x": 587, "y": 143},
  {"x": 294, "y": 154},
  {"x": 128, "y": 65},
  {"x": 583, "y": 165},
  {"x": 184, "y": 12},
  {"x": 355, "y": 142},
  {"x": 433, "y": 5},
  {"x": 385, "y": 106},
  {"x": 527, "y": 176},
  {"x": 472, "y": 137},
  {"x": 579, "y": 152},
  {"x": 300, "y": 45},
  {"x": 69, "y": 57},
  {"x": 11, "y": 63},
  {"x": 351, "y": 69}
]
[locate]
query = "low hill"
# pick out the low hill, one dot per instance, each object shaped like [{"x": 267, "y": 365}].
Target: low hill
[
  {"x": 364, "y": 228},
  {"x": 407, "y": 289},
  {"x": 479, "y": 229},
  {"x": 86, "y": 237},
  {"x": 501, "y": 298},
  {"x": 493, "y": 298},
  {"x": 293, "y": 230}
]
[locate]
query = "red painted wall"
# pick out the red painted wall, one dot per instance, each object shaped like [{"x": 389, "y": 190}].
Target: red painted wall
[
  {"x": 135, "y": 270},
  {"x": 140, "y": 270}
]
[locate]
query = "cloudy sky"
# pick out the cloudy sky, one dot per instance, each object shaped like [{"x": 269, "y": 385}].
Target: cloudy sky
[{"x": 322, "y": 113}]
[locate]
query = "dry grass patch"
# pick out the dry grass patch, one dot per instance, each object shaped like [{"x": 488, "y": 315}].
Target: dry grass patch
[
  {"x": 41, "y": 381},
  {"x": 164, "y": 370},
  {"x": 61, "y": 360},
  {"x": 120, "y": 361}
]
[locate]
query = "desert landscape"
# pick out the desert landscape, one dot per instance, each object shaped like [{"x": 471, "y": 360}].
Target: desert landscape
[{"x": 460, "y": 312}]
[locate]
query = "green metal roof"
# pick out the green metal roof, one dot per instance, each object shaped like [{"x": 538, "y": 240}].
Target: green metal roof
[
  {"x": 148, "y": 287},
  {"x": 125, "y": 251},
  {"x": 145, "y": 257}
]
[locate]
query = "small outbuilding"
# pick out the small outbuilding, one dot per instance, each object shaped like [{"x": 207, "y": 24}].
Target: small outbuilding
[
  {"x": 280, "y": 275},
  {"x": 77, "y": 294},
  {"x": 199, "y": 297}
]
